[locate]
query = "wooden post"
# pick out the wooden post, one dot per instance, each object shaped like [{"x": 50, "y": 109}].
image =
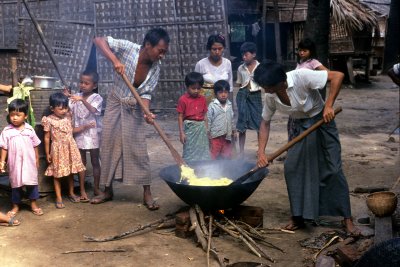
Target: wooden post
[
  {"x": 277, "y": 33},
  {"x": 14, "y": 74},
  {"x": 264, "y": 30}
]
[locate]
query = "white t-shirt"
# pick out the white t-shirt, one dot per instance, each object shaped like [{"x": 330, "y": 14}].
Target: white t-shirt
[
  {"x": 305, "y": 100},
  {"x": 244, "y": 77},
  {"x": 396, "y": 69},
  {"x": 212, "y": 73}
]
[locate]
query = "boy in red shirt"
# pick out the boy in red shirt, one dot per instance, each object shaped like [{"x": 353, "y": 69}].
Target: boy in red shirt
[{"x": 192, "y": 120}]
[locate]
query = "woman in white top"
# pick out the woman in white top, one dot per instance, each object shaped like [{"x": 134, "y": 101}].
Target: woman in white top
[{"x": 214, "y": 67}]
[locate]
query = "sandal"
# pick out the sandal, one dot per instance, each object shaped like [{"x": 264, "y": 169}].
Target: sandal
[
  {"x": 74, "y": 199},
  {"x": 84, "y": 199},
  {"x": 12, "y": 214},
  {"x": 37, "y": 211},
  {"x": 11, "y": 222},
  {"x": 60, "y": 205}
]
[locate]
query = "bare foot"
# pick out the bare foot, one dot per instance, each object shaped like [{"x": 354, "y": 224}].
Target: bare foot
[
  {"x": 350, "y": 228},
  {"x": 148, "y": 200},
  {"x": 102, "y": 197},
  {"x": 295, "y": 223},
  {"x": 13, "y": 211}
]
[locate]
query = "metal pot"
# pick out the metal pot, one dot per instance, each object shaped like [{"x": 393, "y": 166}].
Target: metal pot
[
  {"x": 44, "y": 82},
  {"x": 214, "y": 197}
]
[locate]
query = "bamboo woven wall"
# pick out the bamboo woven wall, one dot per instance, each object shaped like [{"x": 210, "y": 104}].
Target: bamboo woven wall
[
  {"x": 188, "y": 22},
  {"x": 68, "y": 27}
]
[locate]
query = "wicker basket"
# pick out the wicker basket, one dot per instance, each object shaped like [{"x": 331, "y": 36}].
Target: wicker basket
[{"x": 382, "y": 203}]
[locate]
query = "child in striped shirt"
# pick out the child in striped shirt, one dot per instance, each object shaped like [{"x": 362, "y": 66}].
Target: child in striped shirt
[{"x": 221, "y": 122}]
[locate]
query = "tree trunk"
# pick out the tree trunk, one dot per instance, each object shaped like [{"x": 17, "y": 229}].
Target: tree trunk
[
  {"x": 317, "y": 28},
  {"x": 392, "y": 40}
]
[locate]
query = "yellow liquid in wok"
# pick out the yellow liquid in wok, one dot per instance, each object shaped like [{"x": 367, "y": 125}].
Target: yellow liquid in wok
[{"x": 189, "y": 175}]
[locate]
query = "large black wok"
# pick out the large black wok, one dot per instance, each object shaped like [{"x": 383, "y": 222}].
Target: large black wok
[{"x": 214, "y": 197}]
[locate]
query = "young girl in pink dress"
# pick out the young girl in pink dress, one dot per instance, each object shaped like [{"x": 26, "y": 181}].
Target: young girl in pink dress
[
  {"x": 62, "y": 153},
  {"x": 86, "y": 110},
  {"x": 19, "y": 144}
]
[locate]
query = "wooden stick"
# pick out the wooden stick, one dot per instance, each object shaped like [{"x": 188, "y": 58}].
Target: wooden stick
[
  {"x": 200, "y": 236},
  {"x": 242, "y": 232},
  {"x": 94, "y": 250},
  {"x": 209, "y": 240},
  {"x": 124, "y": 234},
  {"x": 238, "y": 236},
  {"x": 179, "y": 160},
  {"x": 44, "y": 42},
  {"x": 255, "y": 234},
  {"x": 201, "y": 219}
]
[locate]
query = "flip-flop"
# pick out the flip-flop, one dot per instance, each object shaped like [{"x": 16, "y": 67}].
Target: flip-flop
[
  {"x": 60, "y": 205},
  {"x": 11, "y": 222},
  {"x": 84, "y": 199},
  {"x": 37, "y": 211},
  {"x": 151, "y": 205},
  {"x": 100, "y": 199},
  {"x": 74, "y": 199}
]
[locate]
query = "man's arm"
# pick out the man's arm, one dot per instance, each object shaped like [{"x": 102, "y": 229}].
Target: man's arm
[
  {"x": 263, "y": 137},
  {"x": 104, "y": 48},
  {"x": 336, "y": 79}
]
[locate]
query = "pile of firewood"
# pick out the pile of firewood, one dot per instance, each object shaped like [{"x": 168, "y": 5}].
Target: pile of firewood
[{"x": 192, "y": 221}]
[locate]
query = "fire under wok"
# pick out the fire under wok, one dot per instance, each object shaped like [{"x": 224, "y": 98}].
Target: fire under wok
[{"x": 214, "y": 197}]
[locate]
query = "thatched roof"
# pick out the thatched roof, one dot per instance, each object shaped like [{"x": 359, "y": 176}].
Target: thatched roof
[{"x": 352, "y": 15}]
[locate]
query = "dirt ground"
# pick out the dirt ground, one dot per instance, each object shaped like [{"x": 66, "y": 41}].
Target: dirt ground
[{"x": 370, "y": 113}]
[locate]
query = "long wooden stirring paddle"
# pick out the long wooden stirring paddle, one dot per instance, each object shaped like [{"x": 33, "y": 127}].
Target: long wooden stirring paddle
[
  {"x": 278, "y": 152},
  {"x": 179, "y": 160}
]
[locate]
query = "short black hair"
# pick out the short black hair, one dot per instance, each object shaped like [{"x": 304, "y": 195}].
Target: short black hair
[
  {"x": 91, "y": 73},
  {"x": 248, "y": 47},
  {"x": 221, "y": 85},
  {"x": 154, "y": 36},
  {"x": 308, "y": 44},
  {"x": 215, "y": 38},
  {"x": 194, "y": 78},
  {"x": 18, "y": 105},
  {"x": 269, "y": 73},
  {"x": 58, "y": 100}
]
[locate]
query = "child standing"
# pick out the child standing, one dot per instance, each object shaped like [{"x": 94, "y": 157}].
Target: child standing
[
  {"x": 307, "y": 53},
  {"x": 62, "y": 154},
  {"x": 86, "y": 110},
  {"x": 19, "y": 143},
  {"x": 192, "y": 120},
  {"x": 248, "y": 99},
  {"x": 221, "y": 122}
]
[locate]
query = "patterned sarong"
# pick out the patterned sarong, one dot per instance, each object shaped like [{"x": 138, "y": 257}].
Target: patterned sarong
[
  {"x": 196, "y": 146},
  {"x": 313, "y": 172},
  {"x": 123, "y": 148},
  {"x": 249, "y": 110}
]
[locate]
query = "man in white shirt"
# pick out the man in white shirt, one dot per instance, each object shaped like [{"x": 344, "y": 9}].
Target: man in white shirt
[{"x": 313, "y": 170}]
